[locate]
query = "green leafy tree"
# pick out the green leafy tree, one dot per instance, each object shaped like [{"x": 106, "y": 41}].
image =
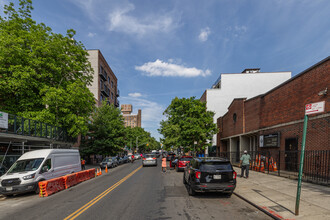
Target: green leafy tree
[
  {"x": 106, "y": 134},
  {"x": 188, "y": 121},
  {"x": 44, "y": 75},
  {"x": 139, "y": 137}
]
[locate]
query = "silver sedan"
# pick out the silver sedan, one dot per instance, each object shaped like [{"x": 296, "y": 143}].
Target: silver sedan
[{"x": 149, "y": 160}]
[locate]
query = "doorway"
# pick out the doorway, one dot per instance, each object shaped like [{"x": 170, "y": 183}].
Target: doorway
[{"x": 291, "y": 154}]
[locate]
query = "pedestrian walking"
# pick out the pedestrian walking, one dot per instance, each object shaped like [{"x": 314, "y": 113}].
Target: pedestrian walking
[
  {"x": 83, "y": 162},
  {"x": 164, "y": 164},
  {"x": 245, "y": 164}
]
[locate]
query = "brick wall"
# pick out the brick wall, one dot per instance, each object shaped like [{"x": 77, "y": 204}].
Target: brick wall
[
  {"x": 287, "y": 103},
  {"x": 204, "y": 97},
  {"x": 252, "y": 114},
  {"x": 282, "y": 105},
  {"x": 230, "y": 126}
]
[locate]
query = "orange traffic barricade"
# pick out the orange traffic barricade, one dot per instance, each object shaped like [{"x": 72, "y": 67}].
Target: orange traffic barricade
[{"x": 51, "y": 186}]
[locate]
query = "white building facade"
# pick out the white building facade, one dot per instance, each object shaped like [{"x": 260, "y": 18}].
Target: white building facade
[{"x": 249, "y": 83}]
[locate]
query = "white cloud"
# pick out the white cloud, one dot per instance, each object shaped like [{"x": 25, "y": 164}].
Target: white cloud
[
  {"x": 91, "y": 34},
  {"x": 135, "y": 95},
  {"x": 121, "y": 21},
  {"x": 204, "y": 34},
  {"x": 160, "y": 68},
  {"x": 237, "y": 31}
]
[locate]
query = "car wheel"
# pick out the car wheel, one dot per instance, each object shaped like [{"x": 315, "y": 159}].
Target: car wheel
[
  {"x": 37, "y": 191},
  {"x": 191, "y": 191}
]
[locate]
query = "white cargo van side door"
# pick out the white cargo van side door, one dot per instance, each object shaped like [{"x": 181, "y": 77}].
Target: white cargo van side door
[{"x": 47, "y": 169}]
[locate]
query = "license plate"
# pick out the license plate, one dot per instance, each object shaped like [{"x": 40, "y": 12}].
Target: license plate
[
  {"x": 9, "y": 188},
  {"x": 217, "y": 177}
]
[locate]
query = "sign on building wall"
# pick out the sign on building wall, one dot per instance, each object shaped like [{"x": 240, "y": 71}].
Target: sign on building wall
[
  {"x": 269, "y": 140},
  {"x": 313, "y": 108},
  {"x": 261, "y": 141},
  {"x": 3, "y": 120}
]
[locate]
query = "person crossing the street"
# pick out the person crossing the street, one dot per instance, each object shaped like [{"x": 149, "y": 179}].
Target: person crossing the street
[{"x": 164, "y": 164}]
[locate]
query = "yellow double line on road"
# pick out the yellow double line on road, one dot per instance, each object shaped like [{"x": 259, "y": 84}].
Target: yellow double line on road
[{"x": 96, "y": 199}]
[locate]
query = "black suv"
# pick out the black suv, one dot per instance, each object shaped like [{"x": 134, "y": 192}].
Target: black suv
[{"x": 210, "y": 174}]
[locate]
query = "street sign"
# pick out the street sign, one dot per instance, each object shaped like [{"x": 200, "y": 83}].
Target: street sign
[
  {"x": 3, "y": 120},
  {"x": 314, "y": 108}
]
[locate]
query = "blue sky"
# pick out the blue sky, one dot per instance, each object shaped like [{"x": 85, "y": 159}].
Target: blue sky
[{"x": 163, "y": 49}]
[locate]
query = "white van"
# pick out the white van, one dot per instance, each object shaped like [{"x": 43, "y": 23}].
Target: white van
[{"x": 35, "y": 166}]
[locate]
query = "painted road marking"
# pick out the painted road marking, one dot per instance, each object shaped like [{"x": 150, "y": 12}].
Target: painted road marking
[{"x": 97, "y": 198}]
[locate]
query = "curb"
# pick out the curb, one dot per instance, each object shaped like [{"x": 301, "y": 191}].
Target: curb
[{"x": 258, "y": 207}]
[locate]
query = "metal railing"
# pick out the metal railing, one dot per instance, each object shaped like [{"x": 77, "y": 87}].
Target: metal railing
[
  {"x": 28, "y": 127},
  {"x": 286, "y": 163}
]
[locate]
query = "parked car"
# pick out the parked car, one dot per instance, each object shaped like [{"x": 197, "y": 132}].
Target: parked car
[
  {"x": 108, "y": 161},
  {"x": 137, "y": 156},
  {"x": 149, "y": 160},
  {"x": 125, "y": 159},
  {"x": 120, "y": 160},
  {"x": 182, "y": 162},
  {"x": 39, "y": 165},
  {"x": 170, "y": 156},
  {"x": 212, "y": 174}
]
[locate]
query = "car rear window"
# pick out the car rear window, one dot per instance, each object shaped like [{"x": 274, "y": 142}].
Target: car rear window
[
  {"x": 149, "y": 156},
  {"x": 186, "y": 159},
  {"x": 213, "y": 166}
]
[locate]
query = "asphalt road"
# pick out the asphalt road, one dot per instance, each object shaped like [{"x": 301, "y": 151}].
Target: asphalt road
[{"x": 129, "y": 192}]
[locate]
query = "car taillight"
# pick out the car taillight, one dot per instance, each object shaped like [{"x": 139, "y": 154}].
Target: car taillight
[
  {"x": 234, "y": 175},
  {"x": 143, "y": 158},
  {"x": 154, "y": 158},
  {"x": 198, "y": 175}
]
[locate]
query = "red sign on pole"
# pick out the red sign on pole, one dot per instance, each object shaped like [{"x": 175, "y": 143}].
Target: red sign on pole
[{"x": 314, "y": 108}]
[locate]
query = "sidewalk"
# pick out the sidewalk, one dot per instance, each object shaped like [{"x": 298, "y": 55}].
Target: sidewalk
[{"x": 277, "y": 195}]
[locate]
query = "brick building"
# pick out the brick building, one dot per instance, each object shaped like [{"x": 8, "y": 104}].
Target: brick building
[
  {"x": 105, "y": 83},
  {"x": 274, "y": 121},
  {"x": 131, "y": 120},
  {"x": 248, "y": 83}
]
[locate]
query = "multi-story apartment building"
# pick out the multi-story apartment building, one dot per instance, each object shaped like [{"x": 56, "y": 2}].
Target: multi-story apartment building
[
  {"x": 131, "y": 120},
  {"x": 249, "y": 83},
  {"x": 105, "y": 83}
]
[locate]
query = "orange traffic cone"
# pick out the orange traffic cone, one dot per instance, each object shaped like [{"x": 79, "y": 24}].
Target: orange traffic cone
[
  {"x": 100, "y": 171},
  {"x": 271, "y": 165},
  {"x": 262, "y": 168},
  {"x": 106, "y": 168},
  {"x": 275, "y": 167}
]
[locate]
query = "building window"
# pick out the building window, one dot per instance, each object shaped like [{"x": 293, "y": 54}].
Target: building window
[
  {"x": 111, "y": 84},
  {"x": 109, "y": 79},
  {"x": 234, "y": 117},
  {"x": 111, "y": 95}
]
